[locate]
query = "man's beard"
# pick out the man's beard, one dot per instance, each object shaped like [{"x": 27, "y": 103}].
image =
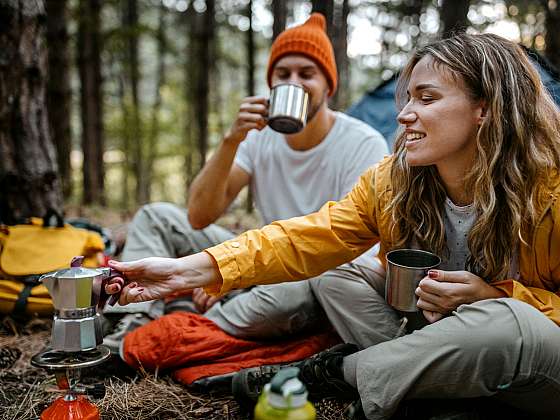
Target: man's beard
[{"x": 314, "y": 109}]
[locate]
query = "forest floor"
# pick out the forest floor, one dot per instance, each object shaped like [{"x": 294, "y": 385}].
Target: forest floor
[{"x": 26, "y": 391}]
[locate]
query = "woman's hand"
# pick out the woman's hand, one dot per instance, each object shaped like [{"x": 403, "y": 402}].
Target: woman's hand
[
  {"x": 432, "y": 316},
  {"x": 156, "y": 277},
  {"x": 441, "y": 292}
]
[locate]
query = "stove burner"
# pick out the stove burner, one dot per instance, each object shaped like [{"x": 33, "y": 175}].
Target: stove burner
[{"x": 56, "y": 359}]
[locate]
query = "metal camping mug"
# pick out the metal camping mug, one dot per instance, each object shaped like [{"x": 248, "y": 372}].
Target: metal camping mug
[
  {"x": 287, "y": 108},
  {"x": 405, "y": 269}
]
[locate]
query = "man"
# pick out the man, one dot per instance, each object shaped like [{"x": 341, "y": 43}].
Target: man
[{"x": 290, "y": 175}]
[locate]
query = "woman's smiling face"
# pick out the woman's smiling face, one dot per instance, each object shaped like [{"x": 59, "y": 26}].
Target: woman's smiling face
[{"x": 441, "y": 119}]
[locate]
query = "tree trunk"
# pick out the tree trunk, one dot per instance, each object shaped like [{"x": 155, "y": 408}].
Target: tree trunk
[
  {"x": 125, "y": 145},
  {"x": 91, "y": 99},
  {"x": 154, "y": 126},
  {"x": 203, "y": 39},
  {"x": 189, "y": 20},
  {"x": 250, "y": 81},
  {"x": 279, "y": 13},
  {"x": 29, "y": 183},
  {"x": 413, "y": 8},
  {"x": 552, "y": 37},
  {"x": 58, "y": 90},
  {"x": 453, "y": 16},
  {"x": 130, "y": 24},
  {"x": 341, "y": 98}
]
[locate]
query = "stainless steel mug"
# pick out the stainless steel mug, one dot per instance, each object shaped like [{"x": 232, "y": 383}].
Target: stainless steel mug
[
  {"x": 405, "y": 269},
  {"x": 287, "y": 109}
]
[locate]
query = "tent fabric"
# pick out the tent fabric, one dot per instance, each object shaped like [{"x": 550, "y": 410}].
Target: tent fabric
[
  {"x": 377, "y": 107},
  {"x": 193, "y": 347}
]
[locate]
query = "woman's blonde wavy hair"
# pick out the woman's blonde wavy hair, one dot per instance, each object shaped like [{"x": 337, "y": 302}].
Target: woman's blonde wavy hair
[{"x": 518, "y": 148}]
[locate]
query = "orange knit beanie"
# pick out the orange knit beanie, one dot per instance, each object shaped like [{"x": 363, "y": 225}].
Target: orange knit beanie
[{"x": 311, "y": 40}]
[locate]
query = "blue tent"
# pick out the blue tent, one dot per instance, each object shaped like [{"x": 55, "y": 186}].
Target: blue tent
[{"x": 377, "y": 107}]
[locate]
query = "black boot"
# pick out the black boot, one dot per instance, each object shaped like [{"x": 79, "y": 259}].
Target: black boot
[{"x": 321, "y": 374}]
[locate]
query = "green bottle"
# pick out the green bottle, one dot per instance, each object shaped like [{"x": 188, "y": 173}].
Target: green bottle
[{"x": 284, "y": 398}]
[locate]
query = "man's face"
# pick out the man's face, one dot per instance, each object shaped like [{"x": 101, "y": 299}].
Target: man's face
[{"x": 299, "y": 69}]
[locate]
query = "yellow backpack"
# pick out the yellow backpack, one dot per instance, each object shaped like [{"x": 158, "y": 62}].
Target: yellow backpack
[{"x": 27, "y": 251}]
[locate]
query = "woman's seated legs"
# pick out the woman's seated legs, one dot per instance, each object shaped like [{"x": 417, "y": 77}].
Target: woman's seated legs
[{"x": 492, "y": 347}]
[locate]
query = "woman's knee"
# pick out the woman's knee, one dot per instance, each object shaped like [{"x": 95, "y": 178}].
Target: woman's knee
[
  {"x": 489, "y": 326},
  {"x": 541, "y": 340},
  {"x": 511, "y": 333}
]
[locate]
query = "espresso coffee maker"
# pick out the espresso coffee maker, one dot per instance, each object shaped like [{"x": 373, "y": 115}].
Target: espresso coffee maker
[{"x": 78, "y": 293}]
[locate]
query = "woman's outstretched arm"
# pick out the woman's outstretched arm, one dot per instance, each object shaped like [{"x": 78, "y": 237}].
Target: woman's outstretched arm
[{"x": 156, "y": 277}]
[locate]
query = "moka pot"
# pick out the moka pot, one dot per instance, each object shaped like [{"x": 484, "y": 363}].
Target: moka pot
[{"x": 77, "y": 293}]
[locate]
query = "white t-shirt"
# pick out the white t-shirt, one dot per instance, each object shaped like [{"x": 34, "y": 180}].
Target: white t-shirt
[{"x": 289, "y": 183}]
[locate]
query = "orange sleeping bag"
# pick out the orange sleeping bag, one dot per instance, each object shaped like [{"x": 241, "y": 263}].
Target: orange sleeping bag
[{"x": 194, "y": 347}]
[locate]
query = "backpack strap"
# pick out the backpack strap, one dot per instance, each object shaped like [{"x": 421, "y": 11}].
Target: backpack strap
[
  {"x": 29, "y": 282},
  {"x": 49, "y": 215}
]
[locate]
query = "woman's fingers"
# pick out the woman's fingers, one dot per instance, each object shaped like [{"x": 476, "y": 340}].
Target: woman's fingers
[
  {"x": 427, "y": 296},
  {"x": 428, "y": 306},
  {"x": 433, "y": 286},
  {"x": 129, "y": 267},
  {"x": 116, "y": 280},
  {"x": 131, "y": 293},
  {"x": 432, "y": 316},
  {"x": 117, "y": 265},
  {"x": 113, "y": 288},
  {"x": 114, "y": 285}
]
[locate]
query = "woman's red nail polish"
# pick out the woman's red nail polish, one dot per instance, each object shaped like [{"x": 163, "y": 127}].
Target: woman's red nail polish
[{"x": 433, "y": 274}]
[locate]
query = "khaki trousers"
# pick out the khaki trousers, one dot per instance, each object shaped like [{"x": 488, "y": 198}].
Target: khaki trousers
[{"x": 498, "y": 347}]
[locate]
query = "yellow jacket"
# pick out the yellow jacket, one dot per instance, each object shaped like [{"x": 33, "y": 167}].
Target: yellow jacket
[{"x": 303, "y": 247}]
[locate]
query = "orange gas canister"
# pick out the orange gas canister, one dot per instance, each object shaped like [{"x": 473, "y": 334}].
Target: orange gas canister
[{"x": 74, "y": 408}]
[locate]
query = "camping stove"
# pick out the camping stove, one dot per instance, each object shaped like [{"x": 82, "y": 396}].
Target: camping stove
[
  {"x": 67, "y": 366},
  {"x": 77, "y": 293}
]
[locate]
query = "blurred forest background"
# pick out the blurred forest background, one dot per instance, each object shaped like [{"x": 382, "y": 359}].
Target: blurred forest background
[{"x": 116, "y": 103}]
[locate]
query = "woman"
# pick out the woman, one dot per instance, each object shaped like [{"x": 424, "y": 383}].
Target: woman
[{"x": 473, "y": 178}]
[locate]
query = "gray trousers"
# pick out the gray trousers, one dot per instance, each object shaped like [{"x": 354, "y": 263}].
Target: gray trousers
[{"x": 498, "y": 347}]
